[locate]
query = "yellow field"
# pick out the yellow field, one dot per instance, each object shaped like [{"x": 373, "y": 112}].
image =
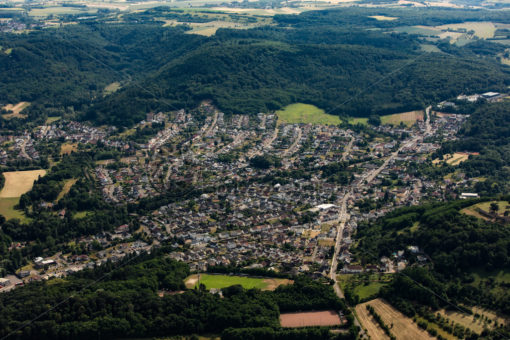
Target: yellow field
[
  {"x": 482, "y": 30},
  {"x": 382, "y": 18},
  {"x": 19, "y": 182},
  {"x": 16, "y": 110},
  {"x": 67, "y": 148},
  {"x": 453, "y": 159},
  {"x": 67, "y": 186},
  {"x": 408, "y": 118},
  {"x": 403, "y": 327}
]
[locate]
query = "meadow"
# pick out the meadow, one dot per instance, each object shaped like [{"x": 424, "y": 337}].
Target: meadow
[
  {"x": 16, "y": 184},
  {"x": 222, "y": 281},
  {"x": 307, "y": 114},
  {"x": 15, "y": 110}
]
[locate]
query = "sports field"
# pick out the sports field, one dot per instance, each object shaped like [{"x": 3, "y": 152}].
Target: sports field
[
  {"x": 223, "y": 281},
  {"x": 307, "y": 114},
  {"x": 19, "y": 182}
]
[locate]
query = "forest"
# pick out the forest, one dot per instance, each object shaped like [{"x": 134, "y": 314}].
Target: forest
[
  {"x": 457, "y": 245},
  {"x": 329, "y": 58},
  {"x": 121, "y": 300}
]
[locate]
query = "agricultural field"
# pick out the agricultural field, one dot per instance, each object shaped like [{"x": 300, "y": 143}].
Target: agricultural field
[
  {"x": 482, "y": 30},
  {"x": 306, "y": 114},
  {"x": 485, "y": 206},
  {"x": 476, "y": 325},
  {"x": 383, "y": 18},
  {"x": 310, "y": 319},
  {"x": 68, "y": 148},
  {"x": 407, "y": 118},
  {"x": 19, "y": 182},
  {"x": 222, "y": 281},
  {"x": 57, "y": 10},
  {"x": 403, "y": 327},
  {"x": 16, "y": 110},
  {"x": 454, "y": 159}
]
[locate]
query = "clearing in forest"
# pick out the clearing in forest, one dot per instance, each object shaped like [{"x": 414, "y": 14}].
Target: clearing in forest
[
  {"x": 67, "y": 148},
  {"x": 19, "y": 182},
  {"x": 307, "y": 114},
  {"x": 474, "y": 210},
  {"x": 67, "y": 186},
  {"x": 15, "y": 110},
  {"x": 310, "y": 319},
  {"x": 382, "y": 18},
  {"x": 456, "y": 158},
  {"x": 400, "y": 325},
  {"x": 223, "y": 281},
  {"x": 408, "y": 118}
]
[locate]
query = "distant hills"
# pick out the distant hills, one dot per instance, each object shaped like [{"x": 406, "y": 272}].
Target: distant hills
[{"x": 325, "y": 58}]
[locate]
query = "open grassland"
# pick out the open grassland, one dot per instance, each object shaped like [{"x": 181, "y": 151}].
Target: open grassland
[
  {"x": 50, "y": 120},
  {"x": 67, "y": 186},
  {"x": 307, "y": 114},
  {"x": 354, "y": 121},
  {"x": 67, "y": 148},
  {"x": 111, "y": 88},
  {"x": 58, "y": 10},
  {"x": 15, "y": 110},
  {"x": 403, "y": 327},
  {"x": 19, "y": 182},
  {"x": 223, "y": 281},
  {"x": 7, "y": 210},
  {"x": 309, "y": 319},
  {"x": 408, "y": 118},
  {"x": 364, "y": 286},
  {"x": 485, "y": 206},
  {"x": 476, "y": 325}
]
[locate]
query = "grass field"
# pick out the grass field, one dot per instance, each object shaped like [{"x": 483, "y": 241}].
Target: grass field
[
  {"x": 403, "y": 327},
  {"x": 482, "y": 30},
  {"x": 67, "y": 148},
  {"x": 223, "y": 281},
  {"x": 113, "y": 87},
  {"x": 67, "y": 186},
  {"x": 354, "y": 121},
  {"x": 16, "y": 110},
  {"x": 19, "y": 182},
  {"x": 7, "y": 209},
  {"x": 364, "y": 286},
  {"x": 408, "y": 118},
  {"x": 50, "y": 120},
  {"x": 485, "y": 206},
  {"x": 307, "y": 114}
]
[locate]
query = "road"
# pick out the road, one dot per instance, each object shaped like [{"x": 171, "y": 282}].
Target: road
[
  {"x": 347, "y": 149},
  {"x": 294, "y": 145},
  {"x": 22, "y": 149},
  {"x": 428, "y": 128},
  {"x": 343, "y": 217}
]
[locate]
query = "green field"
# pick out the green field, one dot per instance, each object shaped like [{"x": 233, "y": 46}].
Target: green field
[
  {"x": 307, "y": 114},
  {"x": 7, "y": 209},
  {"x": 223, "y": 281},
  {"x": 364, "y": 285},
  {"x": 362, "y": 121}
]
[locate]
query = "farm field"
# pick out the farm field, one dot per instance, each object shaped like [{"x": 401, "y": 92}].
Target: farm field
[
  {"x": 466, "y": 320},
  {"x": 307, "y": 114},
  {"x": 223, "y": 281},
  {"x": 19, "y": 182},
  {"x": 403, "y": 327},
  {"x": 408, "y": 118},
  {"x": 16, "y": 110},
  {"x": 47, "y": 11},
  {"x": 383, "y": 18},
  {"x": 485, "y": 206},
  {"x": 308, "y": 319},
  {"x": 482, "y": 30}
]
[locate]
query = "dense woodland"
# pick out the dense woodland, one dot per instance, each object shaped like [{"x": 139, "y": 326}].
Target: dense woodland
[
  {"x": 121, "y": 300},
  {"x": 328, "y": 58}
]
